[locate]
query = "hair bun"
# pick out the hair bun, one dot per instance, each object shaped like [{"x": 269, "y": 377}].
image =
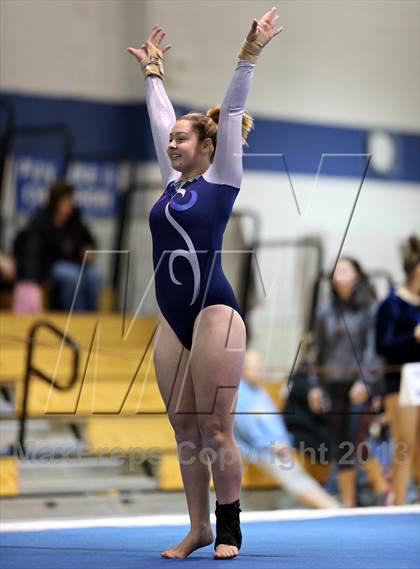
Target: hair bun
[
  {"x": 214, "y": 113},
  {"x": 247, "y": 121}
]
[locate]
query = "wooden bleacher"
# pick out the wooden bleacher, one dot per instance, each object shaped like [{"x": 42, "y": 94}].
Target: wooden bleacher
[{"x": 115, "y": 396}]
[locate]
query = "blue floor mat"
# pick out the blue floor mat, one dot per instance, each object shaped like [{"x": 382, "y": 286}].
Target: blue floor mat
[{"x": 377, "y": 541}]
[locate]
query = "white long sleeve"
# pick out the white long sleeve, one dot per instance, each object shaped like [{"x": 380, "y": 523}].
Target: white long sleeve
[
  {"x": 227, "y": 164},
  {"x": 162, "y": 119}
]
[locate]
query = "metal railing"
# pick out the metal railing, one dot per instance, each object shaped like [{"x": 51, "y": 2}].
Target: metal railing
[{"x": 33, "y": 371}]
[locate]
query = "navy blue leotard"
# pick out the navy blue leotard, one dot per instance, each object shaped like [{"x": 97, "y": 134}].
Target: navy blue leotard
[{"x": 188, "y": 220}]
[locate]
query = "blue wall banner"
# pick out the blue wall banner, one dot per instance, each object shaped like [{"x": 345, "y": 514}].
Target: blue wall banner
[{"x": 96, "y": 186}]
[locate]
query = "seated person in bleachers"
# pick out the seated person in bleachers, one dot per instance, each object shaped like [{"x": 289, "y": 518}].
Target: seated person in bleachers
[
  {"x": 263, "y": 439},
  {"x": 51, "y": 251}
]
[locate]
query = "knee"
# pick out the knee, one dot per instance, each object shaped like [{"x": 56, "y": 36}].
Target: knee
[
  {"x": 185, "y": 428},
  {"x": 214, "y": 432}
]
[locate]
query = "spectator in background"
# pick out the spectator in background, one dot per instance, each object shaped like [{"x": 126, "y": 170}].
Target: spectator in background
[
  {"x": 398, "y": 341},
  {"x": 51, "y": 250},
  {"x": 344, "y": 348},
  {"x": 263, "y": 439}
]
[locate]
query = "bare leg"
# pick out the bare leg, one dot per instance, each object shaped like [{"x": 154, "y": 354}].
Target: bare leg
[
  {"x": 217, "y": 358},
  {"x": 317, "y": 498},
  {"x": 403, "y": 425},
  {"x": 416, "y": 464},
  {"x": 346, "y": 481},
  {"x": 295, "y": 480},
  {"x": 175, "y": 384},
  {"x": 375, "y": 474}
]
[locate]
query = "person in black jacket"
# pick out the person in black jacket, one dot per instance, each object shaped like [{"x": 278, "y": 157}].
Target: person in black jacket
[
  {"x": 53, "y": 250},
  {"x": 346, "y": 370}
]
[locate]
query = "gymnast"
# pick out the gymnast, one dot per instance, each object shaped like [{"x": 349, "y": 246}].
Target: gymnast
[{"x": 199, "y": 346}]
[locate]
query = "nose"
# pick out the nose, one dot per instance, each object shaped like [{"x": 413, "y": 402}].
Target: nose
[{"x": 172, "y": 144}]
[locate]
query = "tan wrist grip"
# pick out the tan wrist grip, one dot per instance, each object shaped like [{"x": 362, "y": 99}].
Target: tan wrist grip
[
  {"x": 153, "y": 63},
  {"x": 251, "y": 50}
]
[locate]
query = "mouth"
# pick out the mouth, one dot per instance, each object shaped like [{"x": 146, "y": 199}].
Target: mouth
[{"x": 175, "y": 156}]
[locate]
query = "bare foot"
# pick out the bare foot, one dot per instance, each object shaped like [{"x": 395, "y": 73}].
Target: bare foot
[
  {"x": 225, "y": 551},
  {"x": 190, "y": 543}
]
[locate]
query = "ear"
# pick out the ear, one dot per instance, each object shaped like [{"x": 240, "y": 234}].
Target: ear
[{"x": 207, "y": 145}]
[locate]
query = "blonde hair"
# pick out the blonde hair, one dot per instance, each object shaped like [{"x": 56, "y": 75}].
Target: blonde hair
[{"x": 206, "y": 125}]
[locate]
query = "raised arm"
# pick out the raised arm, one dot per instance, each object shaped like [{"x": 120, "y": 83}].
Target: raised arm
[
  {"x": 162, "y": 119},
  {"x": 161, "y": 112},
  {"x": 227, "y": 164},
  {"x": 226, "y": 167}
]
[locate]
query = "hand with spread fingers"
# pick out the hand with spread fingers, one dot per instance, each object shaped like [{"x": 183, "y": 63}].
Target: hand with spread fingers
[
  {"x": 150, "y": 54},
  {"x": 261, "y": 32}
]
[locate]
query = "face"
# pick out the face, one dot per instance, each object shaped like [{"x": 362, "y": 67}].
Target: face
[
  {"x": 345, "y": 275},
  {"x": 184, "y": 149},
  {"x": 65, "y": 208}
]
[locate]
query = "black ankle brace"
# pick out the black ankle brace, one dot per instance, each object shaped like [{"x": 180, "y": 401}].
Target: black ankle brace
[{"x": 228, "y": 529}]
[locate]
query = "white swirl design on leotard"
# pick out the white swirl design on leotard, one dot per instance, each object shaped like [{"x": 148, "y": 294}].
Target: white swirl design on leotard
[{"x": 190, "y": 255}]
